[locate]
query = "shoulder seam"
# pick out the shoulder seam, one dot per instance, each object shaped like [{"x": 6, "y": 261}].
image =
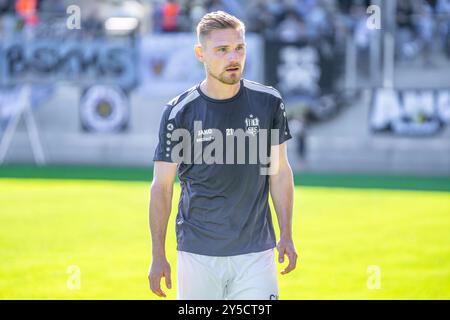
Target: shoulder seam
[
  {"x": 179, "y": 104},
  {"x": 262, "y": 88},
  {"x": 174, "y": 101}
]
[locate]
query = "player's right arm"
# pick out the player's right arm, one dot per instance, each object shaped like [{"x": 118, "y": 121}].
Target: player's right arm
[{"x": 159, "y": 211}]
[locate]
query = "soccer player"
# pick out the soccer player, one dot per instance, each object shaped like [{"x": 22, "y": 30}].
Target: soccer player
[{"x": 225, "y": 235}]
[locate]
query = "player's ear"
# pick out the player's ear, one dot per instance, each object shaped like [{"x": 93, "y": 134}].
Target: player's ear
[{"x": 198, "y": 49}]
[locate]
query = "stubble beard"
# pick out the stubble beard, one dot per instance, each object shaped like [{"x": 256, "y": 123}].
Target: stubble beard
[{"x": 222, "y": 77}]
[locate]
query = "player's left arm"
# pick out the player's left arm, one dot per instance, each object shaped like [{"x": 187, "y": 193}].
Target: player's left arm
[{"x": 282, "y": 193}]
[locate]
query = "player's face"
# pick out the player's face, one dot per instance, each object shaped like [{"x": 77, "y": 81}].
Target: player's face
[{"x": 223, "y": 54}]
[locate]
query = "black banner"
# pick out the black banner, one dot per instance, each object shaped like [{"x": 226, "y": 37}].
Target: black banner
[
  {"x": 300, "y": 68},
  {"x": 306, "y": 75},
  {"x": 227, "y": 309}
]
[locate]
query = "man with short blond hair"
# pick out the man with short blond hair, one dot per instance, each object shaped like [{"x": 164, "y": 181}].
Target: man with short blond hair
[{"x": 225, "y": 234}]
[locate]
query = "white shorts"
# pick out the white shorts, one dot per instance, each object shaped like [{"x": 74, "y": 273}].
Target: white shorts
[{"x": 250, "y": 276}]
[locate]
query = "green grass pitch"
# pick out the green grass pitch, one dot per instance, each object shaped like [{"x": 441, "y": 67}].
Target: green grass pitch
[{"x": 101, "y": 228}]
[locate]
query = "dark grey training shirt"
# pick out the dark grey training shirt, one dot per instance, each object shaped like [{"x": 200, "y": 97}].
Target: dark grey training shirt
[{"x": 223, "y": 209}]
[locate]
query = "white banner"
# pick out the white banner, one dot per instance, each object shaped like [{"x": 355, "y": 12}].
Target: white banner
[
  {"x": 168, "y": 65},
  {"x": 410, "y": 112}
]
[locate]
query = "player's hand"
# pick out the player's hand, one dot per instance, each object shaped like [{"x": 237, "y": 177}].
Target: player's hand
[
  {"x": 286, "y": 247},
  {"x": 160, "y": 268}
]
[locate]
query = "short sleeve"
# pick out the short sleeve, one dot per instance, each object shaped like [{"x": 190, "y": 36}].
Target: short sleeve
[
  {"x": 163, "y": 150},
  {"x": 280, "y": 122}
]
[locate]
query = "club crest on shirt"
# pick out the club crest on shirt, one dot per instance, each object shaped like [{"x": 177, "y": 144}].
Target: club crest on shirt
[{"x": 252, "y": 125}]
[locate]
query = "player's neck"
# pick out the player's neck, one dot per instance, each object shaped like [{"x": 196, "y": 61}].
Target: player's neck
[{"x": 218, "y": 90}]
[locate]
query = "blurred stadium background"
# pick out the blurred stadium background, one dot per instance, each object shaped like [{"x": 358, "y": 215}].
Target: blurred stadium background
[{"x": 82, "y": 86}]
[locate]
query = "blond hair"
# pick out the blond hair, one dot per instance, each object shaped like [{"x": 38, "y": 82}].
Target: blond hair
[{"x": 217, "y": 20}]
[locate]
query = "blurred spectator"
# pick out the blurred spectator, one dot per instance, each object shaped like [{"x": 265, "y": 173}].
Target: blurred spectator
[
  {"x": 425, "y": 26},
  {"x": 27, "y": 10},
  {"x": 55, "y": 7},
  {"x": 216, "y": 5},
  {"x": 361, "y": 32},
  {"x": 404, "y": 35},
  {"x": 443, "y": 14},
  {"x": 292, "y": 28},
  {"x": 8, "y": 23},
  {"x": 259, "y": 17},
  {"x": 233, "y": 7},
  {"x": 170, "y": 16},
  {"x": 317, "y": 20},
  {"x": 197, "y": 11},
  {"x": 6, "y": 6},
  {"x": 92, "y": 25},
  {"x": 443, "y": 7}
]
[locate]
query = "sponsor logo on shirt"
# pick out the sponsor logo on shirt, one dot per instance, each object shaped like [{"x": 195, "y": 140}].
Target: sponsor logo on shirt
[{"x": 204, "y": 135}]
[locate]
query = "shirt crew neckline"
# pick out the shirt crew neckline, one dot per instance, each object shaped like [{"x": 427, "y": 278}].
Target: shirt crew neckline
[{"x": 241, "y": 88}]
